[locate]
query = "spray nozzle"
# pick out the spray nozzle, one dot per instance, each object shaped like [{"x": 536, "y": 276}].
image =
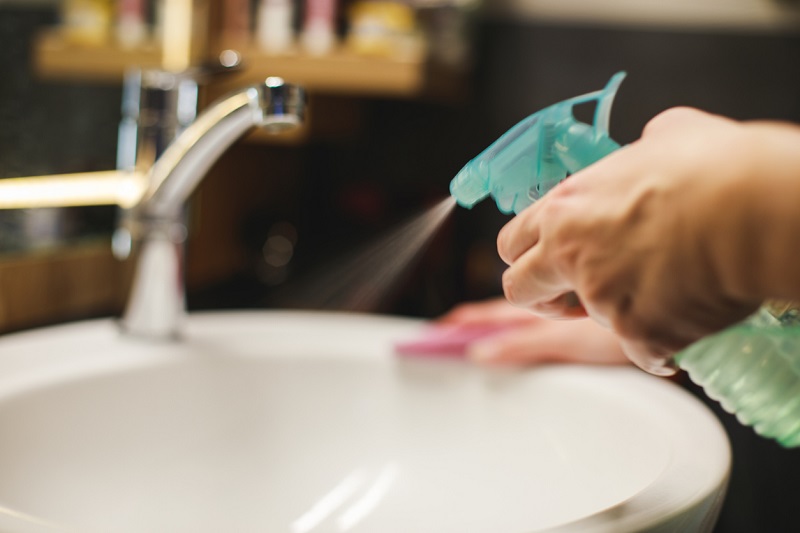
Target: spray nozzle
[{"x": 539, "y": 152}]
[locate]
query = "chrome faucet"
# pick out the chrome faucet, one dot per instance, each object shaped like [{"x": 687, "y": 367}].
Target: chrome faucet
[{"x": 156, "y": 305}]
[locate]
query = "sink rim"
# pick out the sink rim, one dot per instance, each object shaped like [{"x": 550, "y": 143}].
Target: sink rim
[{"x": 640, "y": 509}]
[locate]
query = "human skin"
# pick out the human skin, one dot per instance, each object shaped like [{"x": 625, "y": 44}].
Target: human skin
[
  {"x": 529, "y": 339},
  {"x": 680, "y": 234}
]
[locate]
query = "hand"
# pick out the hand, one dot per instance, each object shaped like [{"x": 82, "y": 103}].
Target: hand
[
  {"x": 529, "y": 339},
  {"x": 656, "y": 241}
]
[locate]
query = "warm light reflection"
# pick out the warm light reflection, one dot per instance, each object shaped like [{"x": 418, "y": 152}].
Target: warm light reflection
[
  {"x": 93, "y": 188},
  {"x": 330, "y": 502},
  {"x": 370, "y": 500},
  {"x": 17, "y": 515}
]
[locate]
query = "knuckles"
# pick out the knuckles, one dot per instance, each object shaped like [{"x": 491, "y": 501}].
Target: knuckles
[{"x": 670, "y": 117}]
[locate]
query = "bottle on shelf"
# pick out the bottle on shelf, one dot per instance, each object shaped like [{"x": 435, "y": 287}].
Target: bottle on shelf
[
  {"x": 87, "y": 22},
  {"x": 275, "y": 26}
]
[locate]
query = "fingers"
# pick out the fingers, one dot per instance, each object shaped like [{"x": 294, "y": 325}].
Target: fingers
[
  {"x": 519, "y": 235},
  {"x": 564, "y": 306},
  {"x": 487, "y": 312},
  {"x": 535, "y": 279},
  {"x": 656, "y": 361},
  {"x": 577, "y": 341},
  {"x": 534, "y": 283}
]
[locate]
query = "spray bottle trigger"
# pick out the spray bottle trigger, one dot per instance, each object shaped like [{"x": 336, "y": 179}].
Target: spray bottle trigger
[
  {"x": 538, "y": 153},
  {"x": 602, "y": 113},
  {"x": 578, "y": 145}
]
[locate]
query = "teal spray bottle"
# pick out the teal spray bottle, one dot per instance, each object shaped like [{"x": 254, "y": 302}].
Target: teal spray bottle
[{"x": 751, "y": 368}]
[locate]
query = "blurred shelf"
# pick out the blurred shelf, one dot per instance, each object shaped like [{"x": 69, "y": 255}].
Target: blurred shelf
[
  {"x": 339, "y": 72},
  {"x": 55, "y": 57},
  {"x": 61, "y": 283}
]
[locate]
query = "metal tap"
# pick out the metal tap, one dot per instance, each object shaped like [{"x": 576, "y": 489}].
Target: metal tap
[{"x": 156, "y": 304}]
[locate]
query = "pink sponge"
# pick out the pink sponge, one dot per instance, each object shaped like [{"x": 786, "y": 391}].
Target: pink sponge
[{"x": 447, "y": 340}]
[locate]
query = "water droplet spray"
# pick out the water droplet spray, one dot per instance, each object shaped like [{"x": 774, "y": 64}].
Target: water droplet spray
[{"x": 362, "y": 280}]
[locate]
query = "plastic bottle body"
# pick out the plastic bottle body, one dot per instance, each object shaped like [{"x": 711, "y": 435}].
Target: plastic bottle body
[{"x": 753, "y": 370}]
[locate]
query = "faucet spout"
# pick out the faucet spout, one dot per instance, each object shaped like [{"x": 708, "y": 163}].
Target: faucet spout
[
  {"x": 273, "y": 105},
  {"x": 156, "y": 304}
]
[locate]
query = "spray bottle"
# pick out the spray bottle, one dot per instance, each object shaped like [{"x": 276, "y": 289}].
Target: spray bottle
[{"x": 751, "y": 368}]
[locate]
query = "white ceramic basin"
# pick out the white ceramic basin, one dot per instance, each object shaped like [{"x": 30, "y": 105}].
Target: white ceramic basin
[{"x": 307, "y": 423}]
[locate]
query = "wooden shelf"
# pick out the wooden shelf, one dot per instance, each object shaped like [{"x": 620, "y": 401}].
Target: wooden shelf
[
  {"x": 55, "y": 57},
  {"x": 339, "y": 72}
]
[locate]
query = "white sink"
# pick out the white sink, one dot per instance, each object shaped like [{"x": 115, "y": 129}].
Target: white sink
[{"x": 308, "y": 423}]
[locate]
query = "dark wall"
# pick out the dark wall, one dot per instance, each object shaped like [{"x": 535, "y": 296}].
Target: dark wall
[
  {"x": 740, "y": 75},
  {"x": 49, "y": 127}
]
